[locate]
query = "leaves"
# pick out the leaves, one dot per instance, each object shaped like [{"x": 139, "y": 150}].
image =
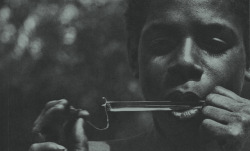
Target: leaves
[{"x": 61, "y": 49}]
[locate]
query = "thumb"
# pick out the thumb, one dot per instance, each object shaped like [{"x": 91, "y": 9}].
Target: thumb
[
  {"x": 78, "y": 140},
  {"x": 47, "y": 146}
]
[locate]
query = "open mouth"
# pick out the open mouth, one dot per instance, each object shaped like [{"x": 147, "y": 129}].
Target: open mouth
[{"x": 189, "y": 98}]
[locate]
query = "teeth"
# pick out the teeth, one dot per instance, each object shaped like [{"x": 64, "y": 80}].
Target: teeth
[{"x": 186, "y": 114}]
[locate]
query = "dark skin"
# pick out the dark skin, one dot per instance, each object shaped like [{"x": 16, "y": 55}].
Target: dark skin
[
  {"x": 58, "y": 119},
  {"x": 200, "y": 50}
]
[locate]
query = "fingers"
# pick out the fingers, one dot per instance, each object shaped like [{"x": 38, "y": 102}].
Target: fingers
[
  {"x": 227, "y": 118},
  {"x": 217, "y": 114},
  {"x": 53, "y": 103},
  {"x": 222, "y": 91},
  {"x": 48, "y": 114},
  {"x": 47, "y": 146},
  {"x": 223, "y": 102},
  {"x": 76, "y": 113},
  {"x": 80, "y": 136},
  {"x": 50, "y": 121},
  {"x": 212, "y": 129},
  {"x": 61, "y": 123},
  {"x": 77, "y": 140},
  {"x": 83, "y": 114},
  {"x": 228, "y": 137},
  {"x": 222, "y": 108}
]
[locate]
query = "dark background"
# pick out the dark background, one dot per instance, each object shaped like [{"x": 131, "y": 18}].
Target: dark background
[{"x": 72, "y": 49}]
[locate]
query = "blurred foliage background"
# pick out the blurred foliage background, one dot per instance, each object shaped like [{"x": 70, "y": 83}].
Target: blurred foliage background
[{"x": 72, "y": 49}]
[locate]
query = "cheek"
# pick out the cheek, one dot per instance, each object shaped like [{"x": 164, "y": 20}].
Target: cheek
[
  {"x": 151, "y": 75},
  {"x": 227, "y": 71}
]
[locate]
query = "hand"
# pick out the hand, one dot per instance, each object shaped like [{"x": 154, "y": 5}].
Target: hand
[
  {"x": 227, "y": 119},
  {"x": 60, "y": 124}
]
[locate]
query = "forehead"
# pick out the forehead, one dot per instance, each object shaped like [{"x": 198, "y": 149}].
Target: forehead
[
  {"x": 219, "y": 6},
  {"x": 188, "y": 12}
]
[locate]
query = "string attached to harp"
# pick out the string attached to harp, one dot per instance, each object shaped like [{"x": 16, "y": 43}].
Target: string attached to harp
[
  {"x": 135, "y": 106},
  {"x": 90, "y": 123}
]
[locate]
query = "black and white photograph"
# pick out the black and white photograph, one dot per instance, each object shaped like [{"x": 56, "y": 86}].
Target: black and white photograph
[{"x": 125, "y": 75}]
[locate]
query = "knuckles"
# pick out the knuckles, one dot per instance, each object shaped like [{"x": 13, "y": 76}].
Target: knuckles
[
  {"x": 50, "y": 103},
  {"x": 240, "y": 128},
  {"x": 55, "y": 102},
  {"x": 236, "y": 132},
  {"x": 211, "y": 97},
  {"x": 57, "y": 108},
  {"x": 240, "y": 118},
  {"x": 51, "y": 146},
  {"x": 51, "y": 110},
  {"x": 206, "y": 110},
  {"x": 53, "y": 117},
  {"x": 205, "y": 124},
  {"x": 34, "y": 147}
]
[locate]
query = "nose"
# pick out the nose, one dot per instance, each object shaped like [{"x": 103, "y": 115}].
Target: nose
[{"x": 186, "y": 61}]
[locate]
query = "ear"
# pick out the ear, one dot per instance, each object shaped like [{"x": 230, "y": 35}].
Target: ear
[
  {"x": 133, "y": 42},
  {"x": 247, "y": 74}
]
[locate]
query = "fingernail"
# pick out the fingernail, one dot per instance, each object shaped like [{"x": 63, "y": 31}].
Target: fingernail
[
  {"x": 61, "y": 148},
  {"x": 83, "y": 113},
  {"x": 63, "y": 101}
]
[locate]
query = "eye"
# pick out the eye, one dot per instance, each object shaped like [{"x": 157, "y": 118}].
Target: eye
[
  {"x": 216, "y": 39},
  {"x": 219, "y": 41},
  {"x": 163, "y": 45},
  {"x": 214, "y": 45}
]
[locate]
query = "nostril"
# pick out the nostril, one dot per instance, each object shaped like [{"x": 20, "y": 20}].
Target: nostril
[
  {"x": 187, "y": 72},
  {"x": 196, "y": 73}
]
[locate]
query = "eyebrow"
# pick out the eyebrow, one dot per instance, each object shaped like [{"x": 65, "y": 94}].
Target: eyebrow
[
  {"x": 159, "y": 26},
  {"x": 175, "y": 27},
  {"x": 214, "y": 26},
  {"x": 216, "y": 29},
  {"x": 162, "y": 28}
]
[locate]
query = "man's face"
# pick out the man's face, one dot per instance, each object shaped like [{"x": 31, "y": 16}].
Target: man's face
[{"x": 190, "y": 46}]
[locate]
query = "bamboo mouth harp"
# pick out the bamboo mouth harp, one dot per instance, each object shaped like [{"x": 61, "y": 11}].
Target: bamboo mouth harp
[
  {"x": 135, "y": 106},
  {"x": 140, "y": 106}
]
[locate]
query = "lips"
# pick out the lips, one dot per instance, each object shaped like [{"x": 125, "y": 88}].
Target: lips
[{"x": 187, "y": 98}]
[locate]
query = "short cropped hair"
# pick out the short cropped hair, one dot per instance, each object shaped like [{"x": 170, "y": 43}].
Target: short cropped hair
[{"x": 136, "y": 15}]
